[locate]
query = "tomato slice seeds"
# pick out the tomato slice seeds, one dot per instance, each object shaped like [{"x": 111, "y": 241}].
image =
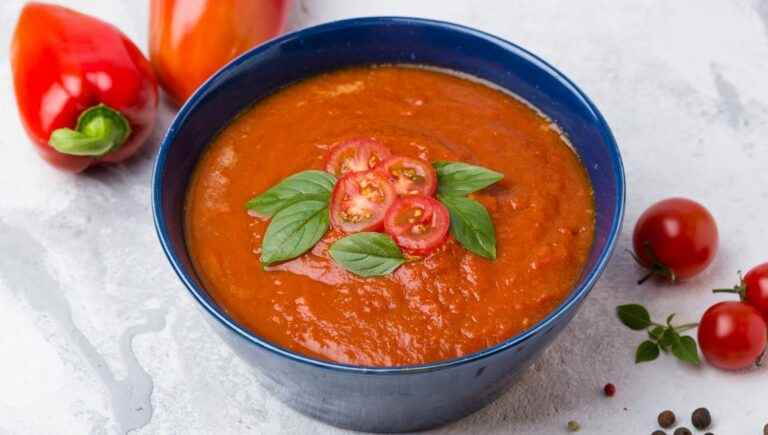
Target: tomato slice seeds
[
  {"x": 360, "y": 201},
  {"x": 410, "y": 176},
  {"x": 418, "y": 224},
  {"x": 356, "y": 155}
]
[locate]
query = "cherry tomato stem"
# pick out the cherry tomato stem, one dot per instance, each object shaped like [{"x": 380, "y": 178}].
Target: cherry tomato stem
[
  {"x": 739, "y": 292},
  {"x": 752, "y": 288},
  {"x": 656, "y": 268}
]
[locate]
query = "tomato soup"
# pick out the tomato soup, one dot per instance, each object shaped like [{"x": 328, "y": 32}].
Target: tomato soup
[{"x": 446, "y": 304}]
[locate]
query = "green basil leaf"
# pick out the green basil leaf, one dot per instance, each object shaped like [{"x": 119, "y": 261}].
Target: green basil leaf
[
  {"x": 294, "y": 230},
  {"x": 306, "y": 185},
  {"x": 471, "y": 225},
  {"x": 647, "y": 351},
  {"x": 685, "y": 349},
  {"x": 668, "y": 338},
  {"x": 459, "y": 179},
  {"x": 634, "y": 316},
  {"x": 656, "y": 333},
  {"x": 367, "y": 254}
]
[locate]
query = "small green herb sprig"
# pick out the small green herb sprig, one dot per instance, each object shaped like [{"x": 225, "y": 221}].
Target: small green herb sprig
[
  {"x": 298, "y": 209},
  {"x": 665, "y": 338}
]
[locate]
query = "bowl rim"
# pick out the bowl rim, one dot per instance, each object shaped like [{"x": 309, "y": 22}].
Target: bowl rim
[{"x": 574, "y": 297}]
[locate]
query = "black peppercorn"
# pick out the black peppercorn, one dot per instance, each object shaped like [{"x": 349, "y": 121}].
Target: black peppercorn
[
  {"x": 683, "y": 431},
  {"x": 659, "y": 432},
  {"x": 667, "y": 419},
  {"x": 701, "y": 418},
  {"x": 765, "y": 429}
]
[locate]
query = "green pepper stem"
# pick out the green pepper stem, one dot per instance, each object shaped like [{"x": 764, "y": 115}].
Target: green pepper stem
[{"x": 100, "y": 130}]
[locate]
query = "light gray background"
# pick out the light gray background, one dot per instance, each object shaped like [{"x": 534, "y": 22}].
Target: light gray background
[{"x": 98, "y": 336}]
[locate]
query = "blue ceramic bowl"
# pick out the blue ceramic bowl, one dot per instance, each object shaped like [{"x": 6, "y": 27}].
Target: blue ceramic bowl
[{"x": 400, "y": 398}]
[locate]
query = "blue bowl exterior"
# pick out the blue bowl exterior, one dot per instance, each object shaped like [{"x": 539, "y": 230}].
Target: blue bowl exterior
[{"x": 384, "y": 399}]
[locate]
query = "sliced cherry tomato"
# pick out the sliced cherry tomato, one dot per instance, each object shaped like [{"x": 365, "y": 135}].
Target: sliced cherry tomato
[
  {"x": 355, "y": 155},
  {"x": 360, "y": 201},
  {"x": 410, "y": 176},
  {"x": 732, "y": 335},
  {"x": 419, "y": 224},
  {"x": 675, "y": 238}
]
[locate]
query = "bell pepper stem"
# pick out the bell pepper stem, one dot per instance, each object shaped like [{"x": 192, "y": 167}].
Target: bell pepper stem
[{"x": 100, "y": 130}]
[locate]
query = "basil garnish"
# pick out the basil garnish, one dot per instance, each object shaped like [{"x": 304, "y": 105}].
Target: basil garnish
[
  {"x": 661, "y": 337},
  {"x": 367, "y": 254},
  {"x": 685, "y": 349},
  {"x": 307, "y": 185},
  {"x": 459, "y": 179},
  {"x": 647, "y": 351},
  {"x": 634, "y": 316},
  {"x": 294, "y": 230},
  {"x": 298, "y": 207},
  {"x": 471, "y": 225}
]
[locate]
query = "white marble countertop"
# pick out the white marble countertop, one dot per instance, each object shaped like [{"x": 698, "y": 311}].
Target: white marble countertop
[{"x": 98, "y": 336}]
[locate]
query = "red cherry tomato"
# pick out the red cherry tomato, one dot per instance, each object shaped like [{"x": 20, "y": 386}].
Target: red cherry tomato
[
  {"x": 410, "y": 176},
  {"x": 360, "y": 201},
  {"x": 756, "y": 288},
  {"x": 752, "y": 288},
  {"x": 675, "y": 238},
  {"x": 419, "y": 224},
  {"x": 732, "y": 335},
  {"x": 355, "y": 155}
]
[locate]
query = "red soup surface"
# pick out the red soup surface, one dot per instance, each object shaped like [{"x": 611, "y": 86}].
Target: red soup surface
[{"x": 449, "y": 304}]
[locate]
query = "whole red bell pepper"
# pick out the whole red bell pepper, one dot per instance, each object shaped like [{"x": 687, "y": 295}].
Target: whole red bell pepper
[
  {"x": 85, "y": 93},
  {"x": 191, "y": 40}
]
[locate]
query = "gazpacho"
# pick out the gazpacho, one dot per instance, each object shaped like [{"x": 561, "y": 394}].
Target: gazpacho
[{"x": 388, "y": 216}]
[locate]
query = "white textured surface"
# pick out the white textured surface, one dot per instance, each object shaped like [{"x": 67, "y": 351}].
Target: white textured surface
[{"x": 98, "y": 336}]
